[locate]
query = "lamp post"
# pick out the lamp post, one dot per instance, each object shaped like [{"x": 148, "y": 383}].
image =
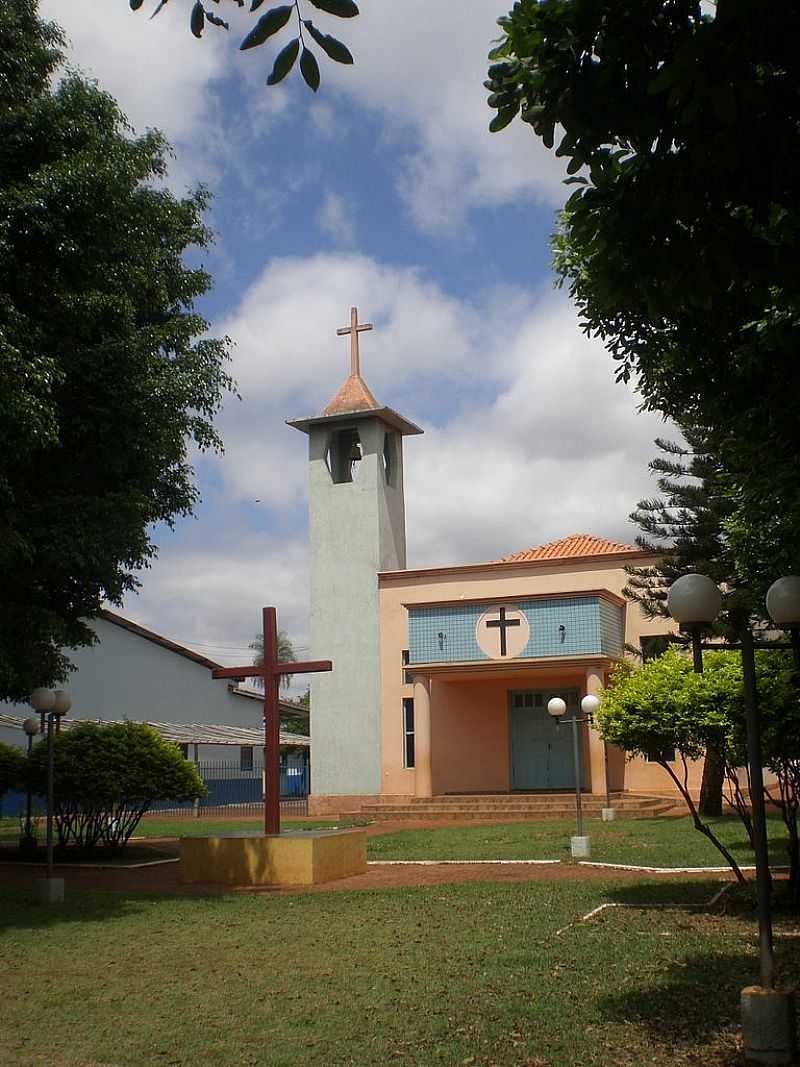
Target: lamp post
[
  {"x": 53, "y": 703},
  {"x": 694, "y": 601},
  {"x": 579, "y": 845},
  {"x": 27, "y": 843},
  {"x": 783, "y": 605}
]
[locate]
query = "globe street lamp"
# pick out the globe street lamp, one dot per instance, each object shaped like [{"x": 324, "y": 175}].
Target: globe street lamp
[
  {"x": 54, "y": 703},
  {"x": 579, "y": 845},
  {"x": 694, "y": 602},
  {"x": 28, "y": 842},
  {"x": 783, "y": 605}
]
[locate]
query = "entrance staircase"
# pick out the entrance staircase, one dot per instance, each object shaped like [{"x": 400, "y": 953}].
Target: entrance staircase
[{"x": 503, "y": 806}]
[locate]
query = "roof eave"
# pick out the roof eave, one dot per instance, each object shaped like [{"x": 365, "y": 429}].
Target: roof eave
[{"x": 388, "y": 415}]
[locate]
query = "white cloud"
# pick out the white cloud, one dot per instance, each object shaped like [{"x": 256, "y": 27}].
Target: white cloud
[
  {"x": 551, "y": 446},
  {"x": 208, "y": 593},
  {"x": 157, "y": 71},
  {"x": 421, "y": 67},
  {"x": 336, "y": 220}
]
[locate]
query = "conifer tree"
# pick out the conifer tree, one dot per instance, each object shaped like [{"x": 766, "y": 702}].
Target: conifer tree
[{"x": 685, "y": 525}]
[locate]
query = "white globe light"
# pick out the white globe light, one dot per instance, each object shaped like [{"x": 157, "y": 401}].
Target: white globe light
[
  {"x": 43, "y": 699},
  {"x": 62, "y": 703},
  {"x": 556, "y": 707},
  {"x": 783, "y": 601},
  {"x": 31, "y": 727},
  {"x": 694, "y": 598},
  {"x": 590, "y": 704}
]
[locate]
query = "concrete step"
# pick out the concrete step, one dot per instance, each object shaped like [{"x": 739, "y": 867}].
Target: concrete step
[
  {"x": 411, "y": 814},
  {"x": 476, "y": 811}
]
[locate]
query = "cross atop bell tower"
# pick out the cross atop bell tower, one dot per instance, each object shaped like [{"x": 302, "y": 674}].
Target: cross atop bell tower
[
  {"x": 357, "y": 528},
  {"x": 354, "y": 329},
  {"x": 355, "y": 394}
]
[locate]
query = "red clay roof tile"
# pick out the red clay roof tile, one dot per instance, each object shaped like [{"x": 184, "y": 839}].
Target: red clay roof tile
[{"x": 574, "y": 546}]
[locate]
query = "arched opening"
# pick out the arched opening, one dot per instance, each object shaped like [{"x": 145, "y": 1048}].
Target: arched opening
[{"x": 344, "y": 455}]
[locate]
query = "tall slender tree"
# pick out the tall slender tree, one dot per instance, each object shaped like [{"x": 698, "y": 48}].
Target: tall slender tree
[
  {"x": 286, "y": 654},
  {"x": 685, "y": 525}
]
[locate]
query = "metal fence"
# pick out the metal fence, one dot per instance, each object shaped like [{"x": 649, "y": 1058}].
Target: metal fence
[
  {"x": 232, "y": 790},
  {"x": 236, "y": 790}
]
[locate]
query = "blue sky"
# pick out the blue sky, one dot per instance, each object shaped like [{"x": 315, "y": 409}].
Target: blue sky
[{"x": 386, "y": 191}]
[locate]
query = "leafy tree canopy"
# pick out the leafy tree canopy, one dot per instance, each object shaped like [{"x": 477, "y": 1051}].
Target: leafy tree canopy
[
  {"x": 680, "y": 127},
  {"x": 12, "y": 767},
  {"x": 105, "y": 369},
  {"x": 665, "y": 705},
  {"x": 270, "y": 23}
]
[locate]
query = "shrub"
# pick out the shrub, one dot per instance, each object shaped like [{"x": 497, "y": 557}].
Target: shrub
[
  {"x": 107, "y": 776},
  {"x": 12, "y": 768}
]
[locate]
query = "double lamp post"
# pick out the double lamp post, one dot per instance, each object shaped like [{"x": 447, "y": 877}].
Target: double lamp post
[
  {"x": 52, "y": 705},
  {"x": 695, "y": 601}
]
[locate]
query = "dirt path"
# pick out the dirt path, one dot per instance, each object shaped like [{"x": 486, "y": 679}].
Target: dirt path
[{"x": 164, "y": 877}]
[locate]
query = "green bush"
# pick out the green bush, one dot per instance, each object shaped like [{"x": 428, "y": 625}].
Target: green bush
[
  {"x": 12, "y": 768},
  {"x": 107, "y": 776}
]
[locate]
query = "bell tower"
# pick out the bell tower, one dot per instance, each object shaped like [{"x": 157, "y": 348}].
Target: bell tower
[{"x": 357, "y": 528}]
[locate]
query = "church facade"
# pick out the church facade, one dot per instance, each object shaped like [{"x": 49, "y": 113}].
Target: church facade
[{"x": 442, "y": 675}]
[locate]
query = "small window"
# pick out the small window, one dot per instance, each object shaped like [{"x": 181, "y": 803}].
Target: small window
[
  {"x": 389, "y": 461},
  {"x": 408, "y": 732},
  {"x": 529, "y": 700},
  {"x": 184, "y": 751},
  {"x": 518, "y": 700},
  {"x": 666, "y": 756},
  {"x": 407, "y": 676},
  {"x": 246, "y": 758}
]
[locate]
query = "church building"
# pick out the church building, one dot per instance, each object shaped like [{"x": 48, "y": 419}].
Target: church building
[{"x": 442, "y": 675}]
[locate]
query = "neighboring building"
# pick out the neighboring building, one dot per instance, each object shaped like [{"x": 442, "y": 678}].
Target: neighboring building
[
  {"x": 135, "y": 674},
  {"x": 442, "y": 675}
]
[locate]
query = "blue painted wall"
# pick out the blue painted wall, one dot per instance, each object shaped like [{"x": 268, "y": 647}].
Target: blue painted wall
[{"x": 446, "y": 633}]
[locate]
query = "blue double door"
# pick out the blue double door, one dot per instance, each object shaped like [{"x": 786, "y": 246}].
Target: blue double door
[{"x": 541, "y": 750}]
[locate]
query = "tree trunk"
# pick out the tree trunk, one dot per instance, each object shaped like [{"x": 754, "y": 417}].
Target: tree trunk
[{"x": 711, "y": 787}]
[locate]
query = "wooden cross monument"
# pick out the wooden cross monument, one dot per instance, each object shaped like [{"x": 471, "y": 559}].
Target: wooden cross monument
[{"x": 271, "y": 671}]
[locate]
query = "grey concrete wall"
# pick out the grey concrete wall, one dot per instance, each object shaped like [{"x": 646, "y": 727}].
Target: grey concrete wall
[
  {"x": 356, "y": 529},
  {"x": 125, "y": 676}
]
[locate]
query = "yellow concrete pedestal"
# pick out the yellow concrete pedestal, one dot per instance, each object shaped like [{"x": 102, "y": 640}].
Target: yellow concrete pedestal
[{"x": 292, "y": 858}]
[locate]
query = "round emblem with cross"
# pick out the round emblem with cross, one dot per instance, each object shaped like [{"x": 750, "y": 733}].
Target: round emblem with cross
[{"x": 502, "y": 633}]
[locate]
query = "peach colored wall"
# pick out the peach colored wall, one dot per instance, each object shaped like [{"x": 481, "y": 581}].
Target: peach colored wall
[
  {"x": 455, "y": 765},
  {"x": 469, "y": 737}
]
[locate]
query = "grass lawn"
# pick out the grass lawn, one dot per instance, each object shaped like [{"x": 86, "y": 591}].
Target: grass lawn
[
  {"x": 656, "y": 842},
  {"x": 469, "y": 975}
]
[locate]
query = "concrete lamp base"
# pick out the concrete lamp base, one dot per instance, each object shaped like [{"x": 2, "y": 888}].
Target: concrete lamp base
[
  {"x": 50, "y": 890},
  {"x": 768, "y": 1025},
  {"x": 580, "y": 848},
  {"x": 608, "y": 814}
]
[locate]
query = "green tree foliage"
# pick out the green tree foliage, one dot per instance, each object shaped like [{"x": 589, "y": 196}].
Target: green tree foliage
[
  {"x": 105, "y": 369},
  {"x": 270, "y": 23},
  {"x": 685, "y": 525},
  {"x": 106, "y": 778},
  {"x": 679, "y": 123},
  {"x": 778, "y": 684},
  {"x": 12, "y": 768},
  {"x": 663, "y": 706},
  {"x": 286, "y": 654}
]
